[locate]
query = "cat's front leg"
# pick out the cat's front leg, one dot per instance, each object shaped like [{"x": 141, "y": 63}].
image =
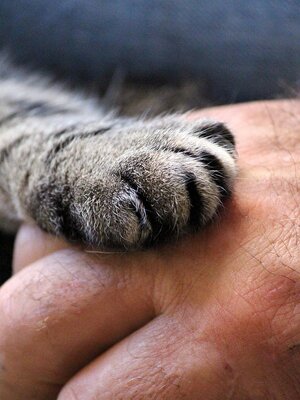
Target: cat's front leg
[{"x": 132, "y": 185}]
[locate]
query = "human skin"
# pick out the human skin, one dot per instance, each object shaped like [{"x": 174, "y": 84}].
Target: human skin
[{"x": 215, "y": 316}]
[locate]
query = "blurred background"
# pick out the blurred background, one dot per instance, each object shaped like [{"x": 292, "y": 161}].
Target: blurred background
[
  {"x": 243, "y": 50},
  {"x": 211, "y": 52}
]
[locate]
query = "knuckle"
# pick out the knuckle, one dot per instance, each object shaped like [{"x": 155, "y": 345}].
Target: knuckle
[{"x": 273, "y": 317}]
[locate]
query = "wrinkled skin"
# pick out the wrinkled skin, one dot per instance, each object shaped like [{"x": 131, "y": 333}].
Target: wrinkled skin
[{"x": 213, "y": 317}]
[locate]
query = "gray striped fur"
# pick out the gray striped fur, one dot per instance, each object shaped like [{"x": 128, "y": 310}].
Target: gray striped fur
[{"x": 85, "y": 174}]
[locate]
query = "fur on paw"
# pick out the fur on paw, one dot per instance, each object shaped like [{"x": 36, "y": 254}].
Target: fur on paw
[{"x": 153, "y": 181}]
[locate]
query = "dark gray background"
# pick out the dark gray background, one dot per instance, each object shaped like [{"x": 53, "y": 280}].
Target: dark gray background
[{"x": 243, "y": 49}]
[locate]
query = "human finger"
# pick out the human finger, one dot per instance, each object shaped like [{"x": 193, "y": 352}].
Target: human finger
[
  {"x": 32, "y": 244},
  {"x": 60, "y": 313}
]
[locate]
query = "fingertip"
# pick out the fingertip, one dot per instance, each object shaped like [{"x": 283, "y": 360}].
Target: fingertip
[{"x": 32, "y": 244}]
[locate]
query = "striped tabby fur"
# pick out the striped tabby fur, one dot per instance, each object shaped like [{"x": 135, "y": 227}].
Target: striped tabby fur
[{"x": 110, "y": 182}]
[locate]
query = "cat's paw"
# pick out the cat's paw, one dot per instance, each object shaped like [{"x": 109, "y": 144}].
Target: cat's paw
[{"x": 153, "y": 182}]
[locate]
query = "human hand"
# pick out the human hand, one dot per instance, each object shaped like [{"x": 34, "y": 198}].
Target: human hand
[{"x": 211, "y": 317}]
